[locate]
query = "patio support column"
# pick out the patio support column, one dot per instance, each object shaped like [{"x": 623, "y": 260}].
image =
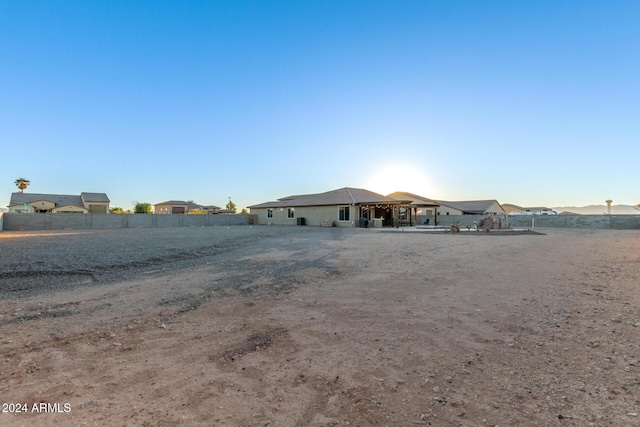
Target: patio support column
[
  {"x": 396, "y": 215},
  {"x": 352, "y": 213}
]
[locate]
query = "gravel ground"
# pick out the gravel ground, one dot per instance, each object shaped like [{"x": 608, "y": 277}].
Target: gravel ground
[
  {"x": 33, "y": 263},
  {"x": 306, "y": 326}
]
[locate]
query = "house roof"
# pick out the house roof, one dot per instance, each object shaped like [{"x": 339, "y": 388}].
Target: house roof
[
  {"x": 59, "y": 207},
  {"x": 95, "y": 197},
  {"x": 173, "y": 202},
  {"x": 472, "y": 206},
  {"x": 510, "y": 207},
  {"x": 341, "y": 196},
  {"x": 57, "y": 199},
  {"x": 193, "y": 206},
  {"x": 190, "y": 205},
  {"x": 415, "y": 199}
]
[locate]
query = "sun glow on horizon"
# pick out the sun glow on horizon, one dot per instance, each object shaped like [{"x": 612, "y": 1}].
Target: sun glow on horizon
[{"x": 399, "y": 177}]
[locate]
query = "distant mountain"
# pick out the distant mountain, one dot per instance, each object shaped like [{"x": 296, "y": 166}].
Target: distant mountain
[{"x": 598, "y": 210}]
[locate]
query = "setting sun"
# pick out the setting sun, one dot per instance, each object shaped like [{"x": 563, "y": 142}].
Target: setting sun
[{"x": 398, "y": 177}]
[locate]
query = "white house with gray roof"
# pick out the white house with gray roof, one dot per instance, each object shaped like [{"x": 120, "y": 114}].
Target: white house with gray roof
[{"x": 59, "y": 203}]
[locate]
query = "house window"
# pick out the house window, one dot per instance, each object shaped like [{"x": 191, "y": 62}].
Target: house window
[
  {"x": 291, "y": 213},
  {"x": 269, "y": 213},
  {"x": 343, "y": 213},
  {"x": 403, "y": 214}
]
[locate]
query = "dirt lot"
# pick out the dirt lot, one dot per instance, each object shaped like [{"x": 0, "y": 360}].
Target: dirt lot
[{"x": 303, "y": 326}]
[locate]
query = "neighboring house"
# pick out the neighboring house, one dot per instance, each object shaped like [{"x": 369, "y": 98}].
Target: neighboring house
[
  {"x": 474, "y": 207},
  {"x": 343, "y": 207},
  {"x": 538, "y": 210},
  {"x": 180, "y": 207},
  {"x": 59, "y": 203},
  {"x": 422, "y": 211},
  {"x": 509, "y": 208}
]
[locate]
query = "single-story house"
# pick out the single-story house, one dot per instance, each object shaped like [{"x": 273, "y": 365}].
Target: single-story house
[
  {"x": 344, "y": 207},
  {"x": 181, "y": 207},
  {"x": 473, "y": 207},
  {"x": 59, "y": 203},
  {"x": 534, "y": 210}
]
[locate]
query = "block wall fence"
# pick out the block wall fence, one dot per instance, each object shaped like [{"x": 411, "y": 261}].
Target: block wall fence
[
  {"x": 604, "y": 222},
  {"x": 61, "y": 221}
]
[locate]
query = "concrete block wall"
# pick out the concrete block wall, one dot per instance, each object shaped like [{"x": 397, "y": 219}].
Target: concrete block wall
[
  {"x": 12, "y": 222},
  {"x": 625, "y": 222},
  {"x": 139, "y": 220},
  {"x": 169, "y": 220},
  {"x": 226, "y": 220},
  {"x": 195, "y": 220},
  {"x": 62, "y": 221},
  {"x": 603, "y": 222},
  {"x": 108, "y": 221},
  {"x": 614, "y": 222},
  {"x": 23, "y": 222},
  {"x": 68, "y": 221}
]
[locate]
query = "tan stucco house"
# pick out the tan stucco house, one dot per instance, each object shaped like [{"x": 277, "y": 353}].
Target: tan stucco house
[
  {"x": 343, "y": 207},
  {"x": 473, "y": 207},
  {"x": 59, "y": 203},
  {"x": 181, "y": 207}
]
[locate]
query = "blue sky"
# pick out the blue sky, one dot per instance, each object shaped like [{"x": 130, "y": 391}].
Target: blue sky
[{"x": 533, "y": 103}]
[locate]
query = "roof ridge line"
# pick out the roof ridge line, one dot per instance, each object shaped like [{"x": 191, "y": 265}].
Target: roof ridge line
[{"x": 353, "y": 199}]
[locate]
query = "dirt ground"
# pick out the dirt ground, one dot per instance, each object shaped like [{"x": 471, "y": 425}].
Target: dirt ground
[{"x": 365, "y": 329}]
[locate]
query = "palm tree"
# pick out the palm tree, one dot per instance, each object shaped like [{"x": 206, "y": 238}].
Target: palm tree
[{"x": 22, "y": 184}]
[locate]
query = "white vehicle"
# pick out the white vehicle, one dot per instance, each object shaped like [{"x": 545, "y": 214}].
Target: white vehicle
[{"x": 535, "y": 212}]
